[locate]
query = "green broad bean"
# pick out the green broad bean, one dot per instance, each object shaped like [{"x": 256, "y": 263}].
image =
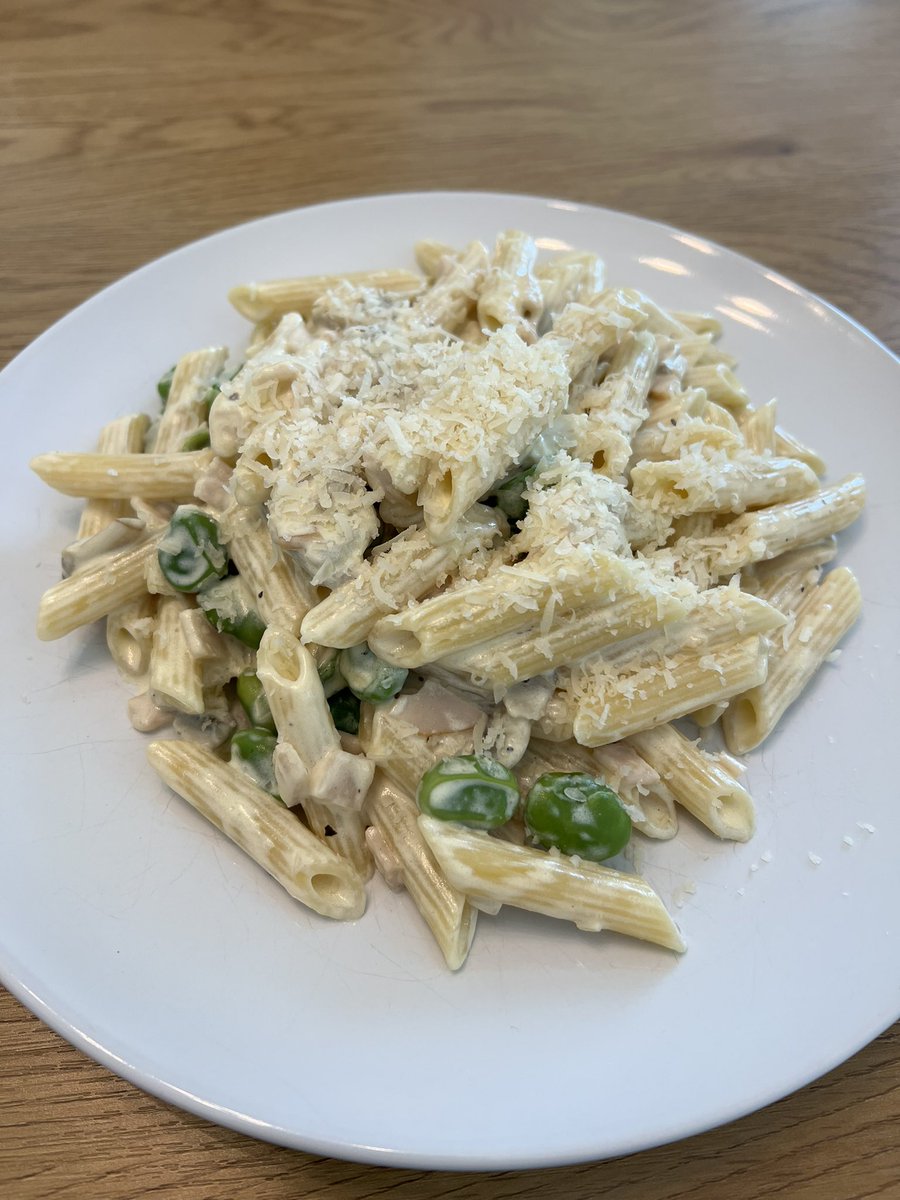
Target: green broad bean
[
  {"x": 206, "y": 400},
  {"x": 215, "y": 387},
  {"x": 368, "y": 677},
  {"x": 330, "y": 674},
  {"x": 229, "y": 609},
  {"x": 577, "y": 814},
  {"x": 198, "y": 440},
  {"x": 252, "y": 751},
  {"x": 252, "y": 696},
  {"x": 472, "y": 789},
  {"x": 164, "y": 385},
  {"x": 345, "y": 711},
  {"x": 511, "y": 494},
  {"x": 191, "y": 554}
]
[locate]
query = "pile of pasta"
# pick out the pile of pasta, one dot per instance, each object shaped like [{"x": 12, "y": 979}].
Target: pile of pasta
[{"x": 547, "y": 500}]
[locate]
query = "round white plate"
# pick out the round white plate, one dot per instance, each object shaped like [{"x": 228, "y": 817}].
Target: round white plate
[{"x": 144, "y": 937}]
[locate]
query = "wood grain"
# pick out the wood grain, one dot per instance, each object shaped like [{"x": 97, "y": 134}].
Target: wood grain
[{"x": 129, "y": 128}]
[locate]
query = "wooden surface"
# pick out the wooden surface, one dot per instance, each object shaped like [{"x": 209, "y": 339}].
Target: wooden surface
[{"x": 130, "y": 128}]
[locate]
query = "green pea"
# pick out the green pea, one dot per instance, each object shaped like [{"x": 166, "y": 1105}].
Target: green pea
[
  {"x": 191, "y": 554},
  {"x": 229, "y": 609},
  {"x": 511, "y": 494},
  {"x": 252, "y": 751},
  {"x": 368, "y": 677},
  {"x": 330, "y": 673},
  {"x": 198, "y": 440},
  {"x": 215, "y": 387},
  {"x": 577, "y": 814},
  {"x": 253, "y": 700},
  {"x": 164, "y": 385},
  {"x": 345, "y": 711},
  {"x": 472, "y": 789}
]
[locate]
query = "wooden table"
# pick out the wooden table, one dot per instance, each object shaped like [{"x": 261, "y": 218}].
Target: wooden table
[{"x": 128, "y": 129}]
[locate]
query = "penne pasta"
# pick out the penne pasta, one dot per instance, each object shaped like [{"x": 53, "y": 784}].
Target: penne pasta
[
  {"x": 721, "y": 385},
  {"x": 445, "y": 910},
  {"x": 685, "y": 486},
  {"x": 123, "y": 436},
  {"x": 186, "y": 408},
  {"x": 176, "y": 677},
  {"x": 566, "y": 279},
  {"x": 282, "y": 593},
  {"x": 666, "y": 689},
  {"x": 699, "y": 322},
  {"x": 510, "y": 293},
  {"x": 452, "y": 296},
  {"x": 129, "y": 636},
  {"x": 335, "y": 782},
  {"x": 698, "y": 782},
  {"x": 265, "y": 301},
  {"x": 507, "y": 600},
  {"x": 823, "y": 617},
  {"x": 507, "y": 659},
  {"x": 264, "y": 829},
  {"x": 105, "y": 584},
  {"x": 492, "y": 873},
  {"x": 407, "y": 567},
  {"x": 433, "y": 258},
  {"x": 617, "y": 407},
  {"x": 758, "y": 428},
  {"x": 121, "y": 476},
  {"x": 787, "y": 444},
  {"x": 771, "y": 532}
]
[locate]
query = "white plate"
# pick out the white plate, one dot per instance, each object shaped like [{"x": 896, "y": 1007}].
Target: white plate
[{"x": 140, "y": 934}]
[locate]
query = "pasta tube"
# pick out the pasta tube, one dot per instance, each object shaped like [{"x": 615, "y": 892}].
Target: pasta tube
[
  {"x": 510, "y": 293},
  {"x": 272, "y": 836},
  {"x": 433, "y": 258},
  {"x": 265, "y": 301},
  {"x": 186, "y": 408},
  {"x": 508, "y": 599},
  {"x": 448, "y": 301},
  {"x": 123, "y": 436},
  {"x": 824, "y": 616},
  {"x": 698, "y": 782},
  {"x": 787, "y": 444},
  {"x": 336, "y": 781},
  {"x": 756, "y": 537},
  {"x": 409, "y": 566},
  {"x": 492, "y": 873},
  {"x": 666, "y": 690},
  {"x": 129, "y": 635},
  {"x": 566, "y": 279},
  {"x": 121, "y": 476},
  {"x": 617, "y": 407},
  {"x": 176, "y": 677},
  {"x": 99, "y": 588},
  {"x": 514, "y": 657},
  {"x": 688, "y": 486},
  {"x": 282, "y": 593},
  {"x": 758, "y": 428},
  {"x": 445, "y": 910}
]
